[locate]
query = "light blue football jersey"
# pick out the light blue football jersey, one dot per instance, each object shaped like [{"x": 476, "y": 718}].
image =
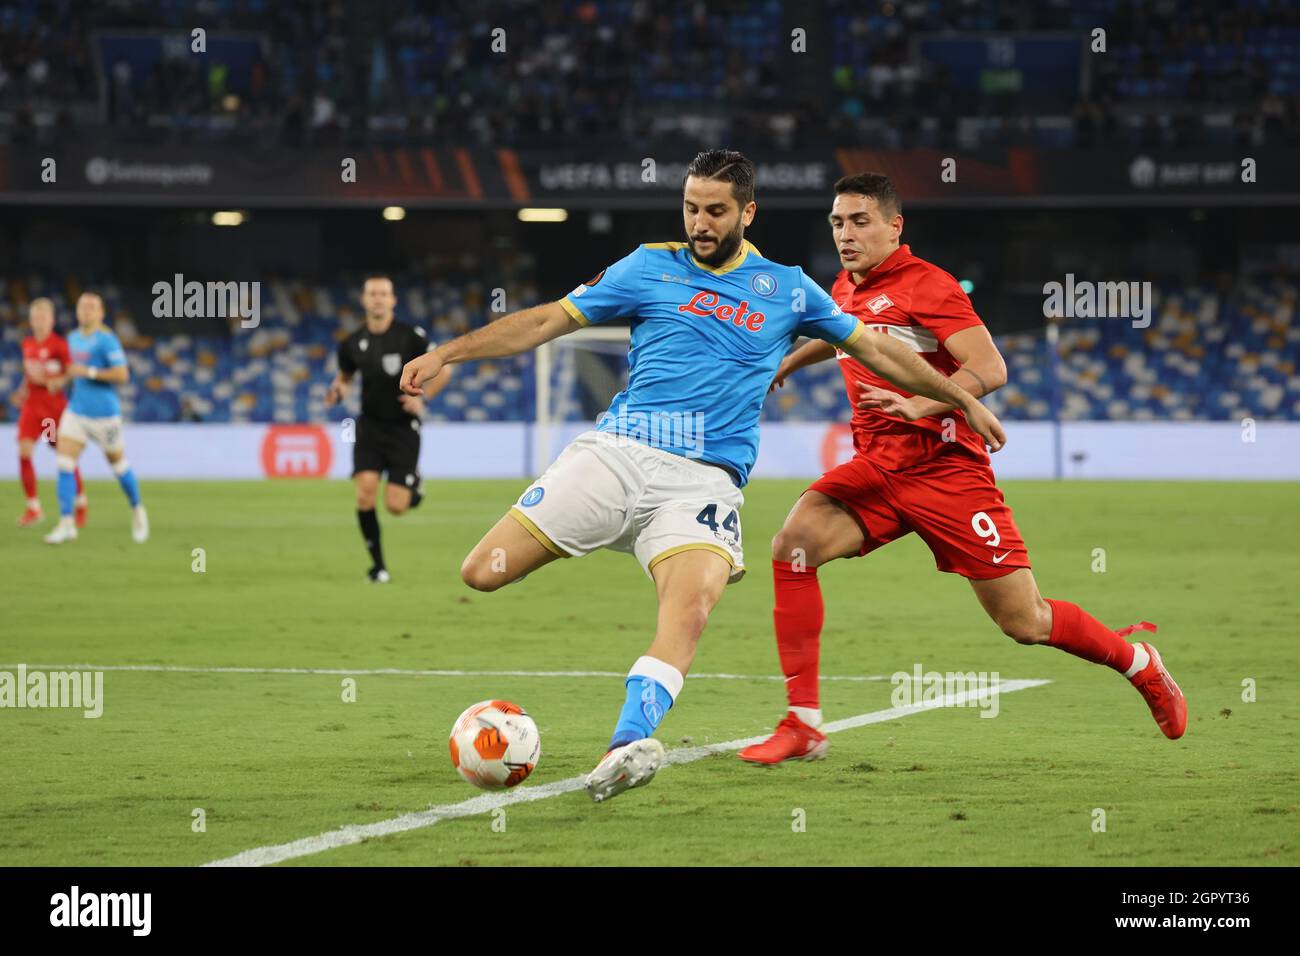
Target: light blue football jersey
[
  {"x": 100, "y": 350},
  {"x": 706, "y": 343}
]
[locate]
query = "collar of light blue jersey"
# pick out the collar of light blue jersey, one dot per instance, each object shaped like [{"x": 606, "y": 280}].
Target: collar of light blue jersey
[{"x": 746, "y": 247}]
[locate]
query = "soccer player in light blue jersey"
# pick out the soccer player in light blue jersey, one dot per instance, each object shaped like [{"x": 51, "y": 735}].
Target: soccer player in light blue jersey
[
  {"x": 94, "y": 414},
  {"x": 661, "y": 474}
]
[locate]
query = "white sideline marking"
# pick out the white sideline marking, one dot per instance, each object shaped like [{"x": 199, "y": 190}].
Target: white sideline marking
[
  {"x": 394, "y": 671},
  {"x": 351, "y": 834}
]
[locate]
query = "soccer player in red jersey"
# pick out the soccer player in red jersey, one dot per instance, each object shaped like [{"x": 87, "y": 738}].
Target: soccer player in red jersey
[
  {"x": 918, "y": 466},
  {"x": 42, "y": 397}
]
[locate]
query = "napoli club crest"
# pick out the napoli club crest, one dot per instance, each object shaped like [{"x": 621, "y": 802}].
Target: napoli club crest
[
  {"x": 763, "y": 284},
  {"x": 532, "y": 496},
  {"x": 392, "y": 363}
]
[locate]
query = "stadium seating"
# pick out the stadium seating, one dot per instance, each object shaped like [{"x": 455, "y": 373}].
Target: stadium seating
[
  {"x": 894, "y": 74},
  {"x": 1221, "y": 353},
  {"x": 1207, "y": 354},
  {"x": 279, "y": 372}
]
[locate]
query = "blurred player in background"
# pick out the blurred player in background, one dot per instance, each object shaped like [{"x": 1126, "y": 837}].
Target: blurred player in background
[
  {"x": 388, "y": 431},
  {"x": 661, "y": 475},
  {"x": 41, "y": 395},
  {"x": 94, "y": 414},
  {"x": 918, "y": 466}
]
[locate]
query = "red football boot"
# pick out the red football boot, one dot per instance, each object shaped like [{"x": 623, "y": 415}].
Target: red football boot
[
  {"x": 1157, "y": 687},
  {"x": 793, "y": 740},
  {"x": 30, "y": 516}
]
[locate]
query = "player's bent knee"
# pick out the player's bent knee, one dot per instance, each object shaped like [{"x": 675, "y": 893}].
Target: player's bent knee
[
  {"x": 1025, "y": 628},
  {"x": 479, "y": 574},
  {"x": 693, "y": 613},
  {"x": 798, "y": 545},
  {"x": 396, "y": 500},
  {"x": 699, "y": 609},
  {"x": 699, "y": 618},
  {"x": 1018, "y": 634}
]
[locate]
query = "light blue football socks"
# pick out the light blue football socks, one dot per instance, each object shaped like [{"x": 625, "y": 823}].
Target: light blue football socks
[
  {"x": 126, "y": 478},
  {"x": 67, "y": 485},
  {"x": 652, "y": 686}
]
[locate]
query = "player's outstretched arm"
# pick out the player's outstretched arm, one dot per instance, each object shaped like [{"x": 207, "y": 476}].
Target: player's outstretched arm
[
  {"x": 892, "y": 360},
  {"x": 517, "y": 332},
  {"x": 982, "y": 370},
  {"x": 438, "y": 382},
  {"x": 810, "y": 353},
  {"x": 415, "y": 404}
]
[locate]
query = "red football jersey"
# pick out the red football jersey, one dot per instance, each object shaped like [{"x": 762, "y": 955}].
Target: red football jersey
[
  {"x": 919, "y": 304},
  {"x": 47, "y": 358}
]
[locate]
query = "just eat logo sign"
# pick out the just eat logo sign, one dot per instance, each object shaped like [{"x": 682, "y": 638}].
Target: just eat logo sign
[{"x": 707, "y": 303}]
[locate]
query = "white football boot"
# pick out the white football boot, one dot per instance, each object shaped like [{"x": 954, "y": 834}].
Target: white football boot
[
  {"x": 65, "y": 530},
  {"x": 626, "y": 767},
  {"x": 139, "y": 524}
]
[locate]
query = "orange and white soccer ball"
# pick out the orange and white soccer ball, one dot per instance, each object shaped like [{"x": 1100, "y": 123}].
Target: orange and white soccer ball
[{"x": 495, "y": 744}]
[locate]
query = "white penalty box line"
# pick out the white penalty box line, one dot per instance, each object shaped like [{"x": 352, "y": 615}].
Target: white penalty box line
[{"x": 354, "y": 834}]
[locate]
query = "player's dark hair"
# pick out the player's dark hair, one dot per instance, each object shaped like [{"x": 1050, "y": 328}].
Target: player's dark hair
[
  {"x": 874, "y": 186},
  {"x": 729, "y": 166},
  {"x": 378, "y": 277}
]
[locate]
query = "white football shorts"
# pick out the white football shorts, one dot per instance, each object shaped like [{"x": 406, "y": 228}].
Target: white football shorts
[
  {"x": 104, "y": 432},
  {"x": 607, "y": 491}
]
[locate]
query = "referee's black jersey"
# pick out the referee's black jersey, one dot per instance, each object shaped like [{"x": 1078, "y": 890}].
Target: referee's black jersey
[{"x": 379, "y": 359}]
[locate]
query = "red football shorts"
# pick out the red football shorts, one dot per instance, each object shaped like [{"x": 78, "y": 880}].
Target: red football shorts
[
  {"x": 952, "y": 502},
  {"x": 33, "y": 417}
]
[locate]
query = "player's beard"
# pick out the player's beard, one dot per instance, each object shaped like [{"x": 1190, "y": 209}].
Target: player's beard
[{"x": 726, "y": 249}]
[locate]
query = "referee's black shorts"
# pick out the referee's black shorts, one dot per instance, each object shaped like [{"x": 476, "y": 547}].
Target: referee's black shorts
[{"x": 393, "y": 447}]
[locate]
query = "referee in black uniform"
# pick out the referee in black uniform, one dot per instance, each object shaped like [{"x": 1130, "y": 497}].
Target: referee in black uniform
[{"x": 388, "y": 431}]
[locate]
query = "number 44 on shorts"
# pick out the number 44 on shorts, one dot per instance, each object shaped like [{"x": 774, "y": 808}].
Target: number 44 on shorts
[{"x": 709, "y": 516}]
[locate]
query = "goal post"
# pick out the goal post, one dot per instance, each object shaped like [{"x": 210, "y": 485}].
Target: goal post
[{"x": 556, "y": 377}]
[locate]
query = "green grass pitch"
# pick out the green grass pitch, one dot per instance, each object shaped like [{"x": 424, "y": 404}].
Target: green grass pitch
[{"x": 271, "y": 758}]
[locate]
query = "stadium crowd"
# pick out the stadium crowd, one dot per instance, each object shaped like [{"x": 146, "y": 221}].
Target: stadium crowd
[{"x": 417, "y": 72}]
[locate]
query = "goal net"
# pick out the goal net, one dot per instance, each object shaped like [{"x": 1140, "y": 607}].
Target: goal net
[{"x": 576, "y": 376}]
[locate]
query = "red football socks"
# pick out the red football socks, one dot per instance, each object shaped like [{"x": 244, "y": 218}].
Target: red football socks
[
  {"x": 798, "y": 616},
  {"x": 28, "y": 473},
  {"x": 1077, "y": 632}
]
